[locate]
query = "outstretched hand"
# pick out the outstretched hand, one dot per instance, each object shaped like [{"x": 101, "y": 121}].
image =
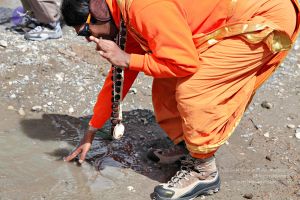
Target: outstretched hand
[
  {"x": 82, "y": 148},
  {"x": 111, "y": 52}
]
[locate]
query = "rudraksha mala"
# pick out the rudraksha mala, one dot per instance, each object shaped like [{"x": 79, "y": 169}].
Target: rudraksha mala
[{"x": 117, "y": 128}]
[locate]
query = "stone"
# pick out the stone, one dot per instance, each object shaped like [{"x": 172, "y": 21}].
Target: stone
[
  {"x": 266, "y": 105},
  {"x": 21, "y": 112},
  {"x": 130, "y": 188},
  {"x": 71, "y": 110},
  {"x": 268, "y": 158},
  {"x": 36, "y": 108},
  {"x": 10, "y": 108},
  {"x": 3, "y": 43},
  {"x": 133, "y": 90},
  {"x": 267, "y": 134},
  {"x": 13, "y": 96},
  {"x": 248, "y": 196},
  {"x": 80, "y": 89},
  {"x": 291, "y": 126},
  {"x": 60, "y": 77},
  {"x": 297, "y": 135}
]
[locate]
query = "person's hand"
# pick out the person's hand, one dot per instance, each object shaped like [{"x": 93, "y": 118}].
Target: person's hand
[
  {"x": 83, "y": 147},
  {"x": 111, "y": 52}
]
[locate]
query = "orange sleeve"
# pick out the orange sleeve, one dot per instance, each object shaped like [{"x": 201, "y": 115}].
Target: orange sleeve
[
  {"x": 102, "y": 108},
  {"x": 173, "y": 54}
]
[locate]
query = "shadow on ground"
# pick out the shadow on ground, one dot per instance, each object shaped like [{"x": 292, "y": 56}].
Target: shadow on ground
[{"x": 141, "y": 134}]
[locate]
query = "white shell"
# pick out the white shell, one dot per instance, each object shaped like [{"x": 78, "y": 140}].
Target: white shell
[{"x": 118, "y": 131}]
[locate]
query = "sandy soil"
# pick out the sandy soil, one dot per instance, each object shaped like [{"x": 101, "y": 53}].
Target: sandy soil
[{"x": 47, "y": 94}]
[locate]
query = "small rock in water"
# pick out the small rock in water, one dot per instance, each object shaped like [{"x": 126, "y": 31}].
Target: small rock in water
[
  {"x": 248, "y": 196},
  {"x": 3, "y": 43},
  {"x": 266, "y": 105},
  {"x": 291, "y": 126},
  {"x": 21, "y": 112},
  {"x": 130, "y": 188},
  {"x": 36, "y": 109}
]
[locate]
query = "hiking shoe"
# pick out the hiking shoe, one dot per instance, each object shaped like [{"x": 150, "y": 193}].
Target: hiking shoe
[
  {"x": 196, "y": 177},
  {"x": 168, "y": 156},
  {"x": 27, "y": 24},
  {"x": 45, "y": 32}
]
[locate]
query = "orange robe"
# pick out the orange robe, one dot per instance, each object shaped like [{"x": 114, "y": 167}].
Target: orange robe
[{"x": 207, "y": 59}]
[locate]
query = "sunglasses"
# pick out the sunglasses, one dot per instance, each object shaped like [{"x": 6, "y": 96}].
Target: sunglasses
[{"x": 86, "y": 29}]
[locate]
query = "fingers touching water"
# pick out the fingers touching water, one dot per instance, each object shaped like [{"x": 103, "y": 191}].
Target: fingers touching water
[{"x": 83, "y": 148}]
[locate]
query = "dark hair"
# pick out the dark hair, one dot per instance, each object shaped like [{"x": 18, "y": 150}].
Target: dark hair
[{"x": 75, "y": 12}]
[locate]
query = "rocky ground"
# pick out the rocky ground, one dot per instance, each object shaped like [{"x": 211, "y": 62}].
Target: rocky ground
[{"x": 48, "y": 90}]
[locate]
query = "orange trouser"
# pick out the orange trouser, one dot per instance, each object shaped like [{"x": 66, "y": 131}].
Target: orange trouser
[{"x": 203, "y": 109}]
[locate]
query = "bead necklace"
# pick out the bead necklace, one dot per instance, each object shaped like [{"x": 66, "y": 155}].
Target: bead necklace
[{"x": 117, "y": 128}]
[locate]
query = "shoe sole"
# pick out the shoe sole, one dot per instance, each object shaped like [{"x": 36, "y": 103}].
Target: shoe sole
[
  {"x": 43, "y": 39},
  {"x": 206, "y": 191}
]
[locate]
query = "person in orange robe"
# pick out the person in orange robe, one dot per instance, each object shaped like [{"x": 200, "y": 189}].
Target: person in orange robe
[{"x": 207, "y": 59}]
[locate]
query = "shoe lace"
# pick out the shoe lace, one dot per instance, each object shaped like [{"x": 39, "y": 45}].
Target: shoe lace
[
  {"x": 183, "y": 173},
  {"x": 36, "y": 29}
]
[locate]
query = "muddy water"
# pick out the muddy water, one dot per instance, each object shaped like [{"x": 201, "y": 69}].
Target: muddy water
[
  {"x": 31, "y": 167},
  {"x": 30, "y": 170}
]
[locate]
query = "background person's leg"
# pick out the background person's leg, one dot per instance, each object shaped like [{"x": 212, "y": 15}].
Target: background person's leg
[
  {"x": 26, "y": 5},
  {"x": 45, "y": 11}
]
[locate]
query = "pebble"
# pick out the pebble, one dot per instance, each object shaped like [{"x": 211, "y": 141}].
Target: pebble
[
  {"x": 291, "y": 126},
  {"x": 297, "y": 130},
  {"x": 21, "y": 112},
  {"x": 80, "y": 89},
  {"x": 36, "y": 109},
  {"x": 297, "y": 135},
  {"x": 268, "y": 158},
  {"x": 267, "y": 134},
  {"x": 133, "y": 90},
  {"x": 13, "y": 96},
  {"x": 71, "y": 110},
  {"x": 10, "y": 108},
  {"x": 3, "y": 43},
  {"x": 130, "y": 188},
  {"x": 60, "y": 77},
  {"x": 248, "y": 196},
  {"x": 266, "y": 105}
]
